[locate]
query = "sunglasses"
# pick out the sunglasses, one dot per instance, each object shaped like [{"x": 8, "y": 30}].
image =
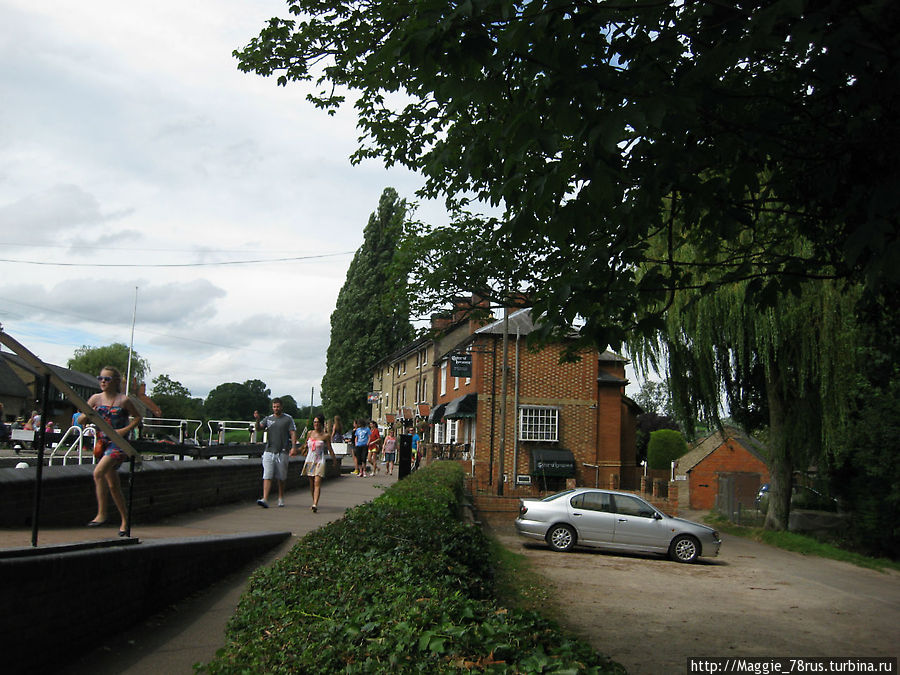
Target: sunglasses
[{"x": 104, "y": 378}]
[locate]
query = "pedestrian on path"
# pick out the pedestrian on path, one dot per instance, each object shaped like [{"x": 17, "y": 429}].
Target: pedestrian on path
[
  {"x": 390, "y": 450},
  {"x": 317, "y": 441},
  {"x": 361, "y": 446},
  {"x": 374, "y": 446},
  {"x": 281, "y": 437},
  {"x": 116, "y": 408}
]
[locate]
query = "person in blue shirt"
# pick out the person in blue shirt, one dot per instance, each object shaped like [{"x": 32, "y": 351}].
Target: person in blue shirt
[{"x": 361, "y": 446}]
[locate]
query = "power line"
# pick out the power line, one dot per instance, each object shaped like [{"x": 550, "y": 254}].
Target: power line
[{"x": 196, "y": 264}]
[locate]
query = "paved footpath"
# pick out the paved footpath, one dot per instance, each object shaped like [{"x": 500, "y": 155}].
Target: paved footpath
[{"x": 191, "y": 631}]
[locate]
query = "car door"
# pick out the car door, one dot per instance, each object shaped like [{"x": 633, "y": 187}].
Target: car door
[
  {"x": 637, "y": 526},
  {"x": 593, "y": 517}
]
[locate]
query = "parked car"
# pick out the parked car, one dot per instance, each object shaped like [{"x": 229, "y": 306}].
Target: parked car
[
  {"x": 802, "y": 497},
  {"x": 613, "y": 520}
]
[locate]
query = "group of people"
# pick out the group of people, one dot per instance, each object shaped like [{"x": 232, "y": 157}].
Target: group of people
[
  {"x": 281, "y": 445},
  {"x": 368, "y": 445}
]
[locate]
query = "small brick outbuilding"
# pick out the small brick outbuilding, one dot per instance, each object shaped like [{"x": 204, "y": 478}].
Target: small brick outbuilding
[{"x": 726, "y": 465}]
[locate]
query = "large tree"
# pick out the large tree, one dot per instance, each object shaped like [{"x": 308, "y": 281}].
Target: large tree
[
  {"x": 371, "y": 317},
  {"x": 596, "y": 125},
  {"x": 93, "y": 359},
  {"x": 234, "y": 401},
  {"x": 174, "y": 399},
  {"x": 799, "y": 356}
]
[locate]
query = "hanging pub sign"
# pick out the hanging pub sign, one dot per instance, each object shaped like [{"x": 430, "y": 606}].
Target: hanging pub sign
[
  {"x": 373, "y": 397},
  {"x": 461, "y": 364}
]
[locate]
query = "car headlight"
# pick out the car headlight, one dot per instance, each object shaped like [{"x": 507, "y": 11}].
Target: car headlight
[{"x": 716, "y": 536}]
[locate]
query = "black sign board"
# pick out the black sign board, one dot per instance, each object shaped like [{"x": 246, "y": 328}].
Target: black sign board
[{"x": 461, "y": 365}]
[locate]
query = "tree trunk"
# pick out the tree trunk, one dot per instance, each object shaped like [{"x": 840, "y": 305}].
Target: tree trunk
[{"x": 781, "y": 466}]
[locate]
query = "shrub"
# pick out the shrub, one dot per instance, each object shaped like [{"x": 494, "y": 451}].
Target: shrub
[
  {"x": 398, "y": 585},
  {"x": 666, "y": 445}
]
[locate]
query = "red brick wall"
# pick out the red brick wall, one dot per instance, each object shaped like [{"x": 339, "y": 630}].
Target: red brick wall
[
  {"x": 730, "y": 457},
  {"x": 591, "y": 417}
]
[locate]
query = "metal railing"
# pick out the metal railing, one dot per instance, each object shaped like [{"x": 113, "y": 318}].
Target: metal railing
[
  {"x": 182, "y": 426},
  {"x": 78, "y": 434},
  {"x": 217, "y": 429}
]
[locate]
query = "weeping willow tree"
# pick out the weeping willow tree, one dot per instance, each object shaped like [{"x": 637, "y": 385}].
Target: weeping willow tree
[{"x": 793, "y": 358}]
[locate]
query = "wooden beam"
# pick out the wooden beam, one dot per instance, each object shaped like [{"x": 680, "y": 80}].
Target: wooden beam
[{"x": 69, "y": 393}]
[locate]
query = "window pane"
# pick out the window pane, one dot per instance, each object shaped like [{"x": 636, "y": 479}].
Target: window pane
[
  {"x": 632, "y": 506},
  {"x": 539, "y": 424}
]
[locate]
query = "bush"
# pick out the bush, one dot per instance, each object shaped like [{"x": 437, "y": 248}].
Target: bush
[
  {"x": 666, "y": 445},
  {"x": 398, "y": 585}
]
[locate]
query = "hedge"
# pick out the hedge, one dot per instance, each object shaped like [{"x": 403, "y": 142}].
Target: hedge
[{"x": 400, "y": 584}]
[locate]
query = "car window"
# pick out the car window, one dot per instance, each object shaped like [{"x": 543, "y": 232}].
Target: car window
[
  {"x": 632, "y": 506},
  {"x": 592, "y": 501},
  {"x": 550, "y": 498}
]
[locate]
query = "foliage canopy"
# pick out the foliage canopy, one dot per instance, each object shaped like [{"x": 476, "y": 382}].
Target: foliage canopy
[
  {"x": 92, "y": 360},
  {"x": 597, "y": 125},
  {"x": 371, "y": 316}
]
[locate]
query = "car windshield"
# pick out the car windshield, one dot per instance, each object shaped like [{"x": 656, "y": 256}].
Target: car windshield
[{"x": 557, "y": 495}]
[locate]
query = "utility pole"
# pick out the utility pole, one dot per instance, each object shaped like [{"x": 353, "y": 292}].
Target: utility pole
[{"x": 503, "y": 396}]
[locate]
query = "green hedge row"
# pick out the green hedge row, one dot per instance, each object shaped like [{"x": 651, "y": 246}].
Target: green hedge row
[{"x": 400, "y": 584}]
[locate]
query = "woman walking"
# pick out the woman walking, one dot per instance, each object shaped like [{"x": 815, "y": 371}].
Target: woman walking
[
  {"x": 374, "y": 446},
  {"x": 390, "y": 450},
  {"x": 116, "y": 409},
  {"x": 317, "y": 441}
]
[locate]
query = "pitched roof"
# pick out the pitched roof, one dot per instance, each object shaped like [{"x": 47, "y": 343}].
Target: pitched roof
[
  {"x": 10, "y": 384},
  {"x": 706, "y": 446},
  {"x": 70, "y": 377}
]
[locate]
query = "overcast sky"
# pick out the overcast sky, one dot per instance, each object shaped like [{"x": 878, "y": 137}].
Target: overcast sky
[
  {"x": 129, "y": 137},
  {"x": 134, "y": 154}
]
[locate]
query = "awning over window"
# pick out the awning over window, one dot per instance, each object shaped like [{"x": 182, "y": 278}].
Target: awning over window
[
  {"x": 552, "y": 462},
  {"x": 437, "y": 413},
  {"x": 463, "y": 406}
]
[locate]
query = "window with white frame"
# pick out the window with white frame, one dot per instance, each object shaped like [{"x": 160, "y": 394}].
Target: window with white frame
[
  {"x": 538, "y": 423},
  {"x": 439, "y": 433},
  {"x": 444, "y": 376},
  {"x": 425, "y": 358},
  {"x": 452, "y": 430},
  {"x": 469, "y": 350}
]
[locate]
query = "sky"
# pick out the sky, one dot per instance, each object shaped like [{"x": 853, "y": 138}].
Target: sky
[
  {"x": 139, "y": 164},
  {"x": 141, "y": 172}
]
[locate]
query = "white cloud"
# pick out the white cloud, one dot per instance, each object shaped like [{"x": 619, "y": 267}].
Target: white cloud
[{"x": 129, "y": 137}]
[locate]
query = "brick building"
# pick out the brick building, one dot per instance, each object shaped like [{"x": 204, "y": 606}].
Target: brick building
[
  {"x": 561, "y": 422},
  {"x": 20, "y": 389},
  {"x": 724, "y": 469}
]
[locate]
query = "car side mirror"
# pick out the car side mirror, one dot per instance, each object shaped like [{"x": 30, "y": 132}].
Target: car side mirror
[{"x": 656, "y": 516}]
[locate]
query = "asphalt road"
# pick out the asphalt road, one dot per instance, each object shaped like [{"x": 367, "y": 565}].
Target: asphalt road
[{"x": 651, "y": 614}]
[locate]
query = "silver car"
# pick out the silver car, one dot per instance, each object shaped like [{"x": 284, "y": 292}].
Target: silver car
[{"x": 613, "y": 520}]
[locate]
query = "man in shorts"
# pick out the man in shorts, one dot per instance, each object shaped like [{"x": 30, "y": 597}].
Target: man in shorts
[
  {"x": 281, "y": 437},
  {"x": 361, "y": 445}
]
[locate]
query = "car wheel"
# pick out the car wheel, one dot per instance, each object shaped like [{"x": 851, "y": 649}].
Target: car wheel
[
  {"x": 561, "y": 538},
  {"x": 684, "y": 548}
]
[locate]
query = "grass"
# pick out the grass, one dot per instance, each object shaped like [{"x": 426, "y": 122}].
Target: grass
[
  {"x": 518, "y": 585},
  {"x": 801, "y": 543}
]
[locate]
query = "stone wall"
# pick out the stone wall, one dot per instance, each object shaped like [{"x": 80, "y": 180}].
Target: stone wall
[
  {"x": 161, "y": 489},
  {"x": 62, "y": 601}
]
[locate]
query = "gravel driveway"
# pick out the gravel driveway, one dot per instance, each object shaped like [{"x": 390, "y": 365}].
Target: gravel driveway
[{"x": 651, "y": 614}]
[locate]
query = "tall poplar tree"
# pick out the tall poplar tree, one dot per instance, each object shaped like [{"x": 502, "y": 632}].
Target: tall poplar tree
[{"x": 371, "y": 317}]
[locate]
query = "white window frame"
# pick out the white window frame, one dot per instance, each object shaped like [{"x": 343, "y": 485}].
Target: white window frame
[
  {"x": 444, "y": 365},
  {"x": 452, "y": 431},
  {"x": 439, "y": 433},
  {"x": 538, "y": 423}
]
